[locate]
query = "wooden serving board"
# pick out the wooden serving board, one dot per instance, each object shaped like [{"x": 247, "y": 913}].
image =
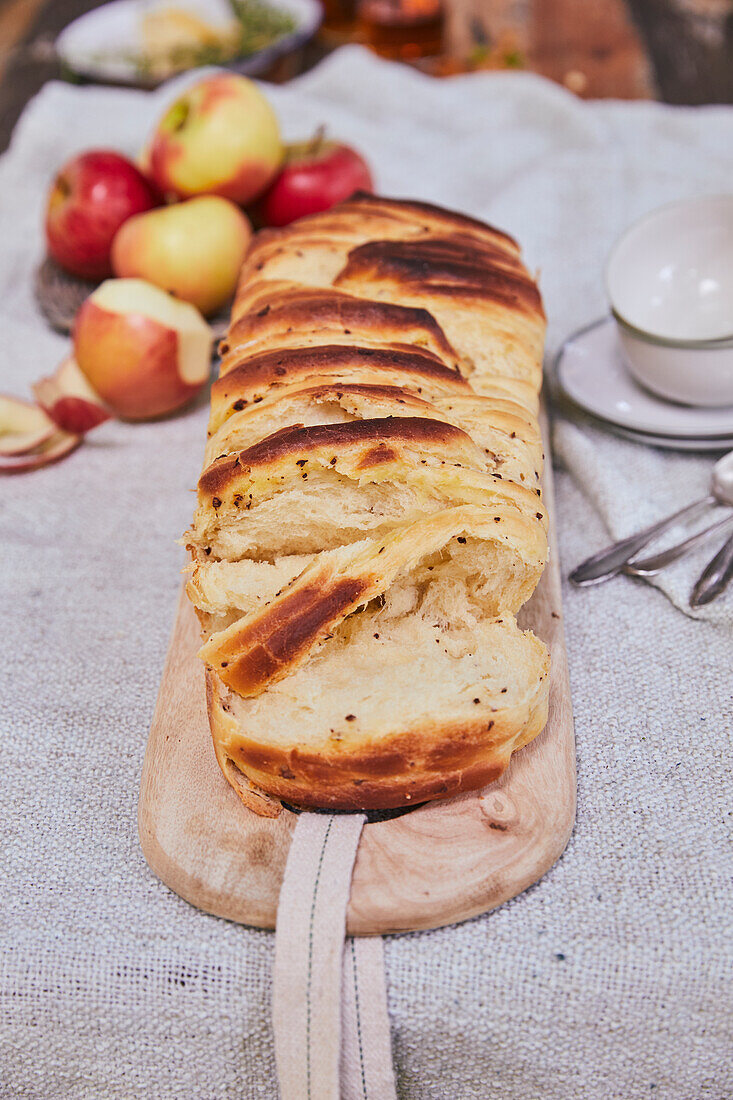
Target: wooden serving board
[{"x": 440, "y": 863}]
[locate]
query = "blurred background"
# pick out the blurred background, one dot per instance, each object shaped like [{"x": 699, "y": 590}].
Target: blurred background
[{"x": 679, "y": 51}]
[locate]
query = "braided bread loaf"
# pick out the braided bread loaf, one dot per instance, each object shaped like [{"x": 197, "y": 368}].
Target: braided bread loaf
[{"x": 369, "y": 518}]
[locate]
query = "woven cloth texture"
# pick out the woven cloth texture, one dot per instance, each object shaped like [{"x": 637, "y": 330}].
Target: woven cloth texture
[{"x": 609, "y": 979}]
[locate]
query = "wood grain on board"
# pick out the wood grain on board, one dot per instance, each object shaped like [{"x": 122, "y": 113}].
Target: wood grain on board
[{"x": 441, "y": 863}]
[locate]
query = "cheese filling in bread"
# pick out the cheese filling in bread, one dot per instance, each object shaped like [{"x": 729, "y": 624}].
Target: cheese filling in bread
[{"x": 370, "y": 517}]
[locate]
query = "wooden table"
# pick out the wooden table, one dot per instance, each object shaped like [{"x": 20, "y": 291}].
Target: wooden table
[{"x": 678, "y": 50}]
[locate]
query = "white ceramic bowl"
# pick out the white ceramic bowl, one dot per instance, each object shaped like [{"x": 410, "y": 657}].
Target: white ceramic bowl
[
  {"x": 106, "y": 43},
  {"x": 670, "y": 284}
]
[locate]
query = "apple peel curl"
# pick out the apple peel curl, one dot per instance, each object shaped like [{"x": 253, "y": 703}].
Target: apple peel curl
[
  {"x": 69, "y": 400},
  {"x": 23, "y": 426},
  {"x": 36, "y": 435},
  {"x": 54, "y": 447}
]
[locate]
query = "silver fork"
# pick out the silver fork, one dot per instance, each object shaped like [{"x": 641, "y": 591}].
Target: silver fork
[
  {"x": 648, "y": 567},
  {"x": 620, "y": 555}
]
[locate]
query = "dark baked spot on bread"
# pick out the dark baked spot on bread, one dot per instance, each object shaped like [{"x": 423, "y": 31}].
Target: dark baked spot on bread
[
  {"x": 299, "y": 440},
  {"x": 380, "y": 453},
  {"x": 408, "y": 429},
  {"x": 448, "y": 217},
  {"x": 311, "y": 309},
  {"x": 447, "y": 267},
  {"x": 459, "y": 758},
  {"x": 286, "y": 629},
  {"x": 257, "y": 372}
]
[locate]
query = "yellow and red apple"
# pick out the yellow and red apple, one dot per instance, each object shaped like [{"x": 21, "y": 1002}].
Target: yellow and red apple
[
  {"x": 192, "y": 249},
  {"x": 144, "y": 352},
  {"x": 220, "y": 137}
]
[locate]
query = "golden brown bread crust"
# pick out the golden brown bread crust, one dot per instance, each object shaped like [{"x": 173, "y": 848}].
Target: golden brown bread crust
[
  {"x": 248, "y": 382},
  {"x": 446, "y": 268},
  {"x": 371, "y": 437},
  {"x": 253, "y": 654},
  {"x": 361, "y": 445},
  {"x": 408, "y": 767},
  {"x": 439, "y": 217},
  {"x": 468, "y": 276},
  {"x": 503, "y": 429},
  {"x": 330, "y": 313},
  {"x": 371, "y": 348}
]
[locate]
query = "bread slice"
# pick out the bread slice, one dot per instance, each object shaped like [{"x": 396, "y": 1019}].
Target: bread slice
[
  {"x": 303, "y": 489},
  {"x": 507, "y": 436},
  {"x": 370, "y": 517},
  {"x": 461, "y": 551},
  {"x": 249, "y": 381},
  {"x": 389, "y": 676}
]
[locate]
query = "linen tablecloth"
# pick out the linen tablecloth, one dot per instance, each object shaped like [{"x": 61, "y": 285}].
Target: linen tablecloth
[{"x": 609, "y": 979}]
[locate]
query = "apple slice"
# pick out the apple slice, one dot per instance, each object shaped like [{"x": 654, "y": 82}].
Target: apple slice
[
  {"x": 23, "y": 426},
  {"x": 69, "y": 400},
  {"x": 57, "y": 446},
  {"x": 144, "y": 352}
]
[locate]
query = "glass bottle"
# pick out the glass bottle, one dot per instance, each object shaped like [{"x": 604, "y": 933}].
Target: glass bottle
[{"x": 401, "y": 29}]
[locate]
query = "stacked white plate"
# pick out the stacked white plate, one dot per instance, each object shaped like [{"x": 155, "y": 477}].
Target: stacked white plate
[{"x": 590, "y": 372}]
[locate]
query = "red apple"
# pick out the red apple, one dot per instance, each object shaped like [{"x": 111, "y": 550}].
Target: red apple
[
  {"x": 143, "y": 352},
  {"x": 315, "y": 176},
  {"x": 90, "y": 198},
  {"x": 69, "y": 400}
]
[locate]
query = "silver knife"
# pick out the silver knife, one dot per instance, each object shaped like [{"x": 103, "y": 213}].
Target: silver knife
[{"x": 715, "y": 576}]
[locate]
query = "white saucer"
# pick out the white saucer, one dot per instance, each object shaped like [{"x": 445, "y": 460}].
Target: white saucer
[
  {"x": 719, "y": 444},
  {"x": 590, "y": 370}
]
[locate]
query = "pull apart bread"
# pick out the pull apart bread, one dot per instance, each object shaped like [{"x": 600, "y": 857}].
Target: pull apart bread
[{"x": 370, "y": 517}]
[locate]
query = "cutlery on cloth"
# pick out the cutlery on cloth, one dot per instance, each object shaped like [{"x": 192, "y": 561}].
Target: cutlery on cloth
[
  {"x": 715, "y": 576},
  {"x": 648, "y": 567},
  {"x": 610, "y": 561}
]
